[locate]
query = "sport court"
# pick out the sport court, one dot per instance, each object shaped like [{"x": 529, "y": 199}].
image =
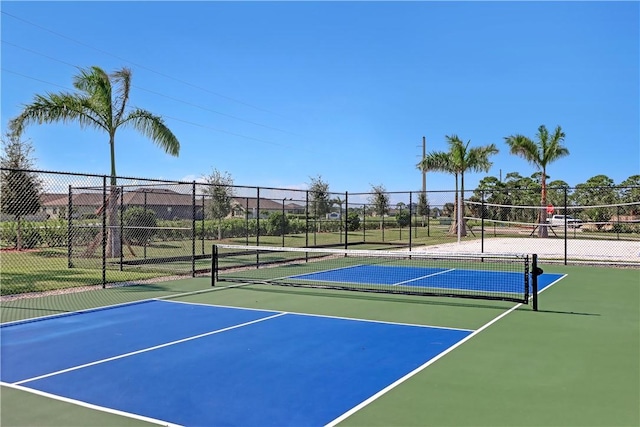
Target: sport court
[{"x": 184, "y": 362}]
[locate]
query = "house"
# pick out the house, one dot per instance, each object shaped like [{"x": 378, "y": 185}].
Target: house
[
  {"x": 249, "y": 206},
  {"x": 167, "y": 204}
]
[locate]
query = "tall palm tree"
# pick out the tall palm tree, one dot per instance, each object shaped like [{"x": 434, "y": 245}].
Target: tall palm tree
[
  {"x": 458, "y": 160},
  {"x": 101, "y": 103},
  {"x": 546, "y": 149}
]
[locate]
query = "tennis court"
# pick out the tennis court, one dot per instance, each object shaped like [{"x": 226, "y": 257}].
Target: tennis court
[{"x": 185, "y": 353}]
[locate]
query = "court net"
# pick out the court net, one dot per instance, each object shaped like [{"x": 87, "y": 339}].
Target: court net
[{"x": 504, "y": 277}]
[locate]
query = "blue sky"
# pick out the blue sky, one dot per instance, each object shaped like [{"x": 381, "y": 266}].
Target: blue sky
[{"x": 277, "y": 93}]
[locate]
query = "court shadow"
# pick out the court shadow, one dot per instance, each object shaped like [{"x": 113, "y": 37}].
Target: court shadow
[{"x": 575, "y": 313}]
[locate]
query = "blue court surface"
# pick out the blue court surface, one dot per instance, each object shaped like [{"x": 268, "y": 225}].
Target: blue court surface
[
  {"x": 198, "y": 365},
  {"x": 429, "y": 277}
]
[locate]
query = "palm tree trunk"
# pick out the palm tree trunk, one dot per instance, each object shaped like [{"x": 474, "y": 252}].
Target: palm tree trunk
[
  {"x": 543, "y": 230},
  {"x": 114, "y": 238},
  {"x": 454, "y": 220},
  {"x": 457, "y": 211}
]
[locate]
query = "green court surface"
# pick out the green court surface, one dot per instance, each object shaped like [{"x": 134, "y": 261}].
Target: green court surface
[{"x": 575, "y": 362}]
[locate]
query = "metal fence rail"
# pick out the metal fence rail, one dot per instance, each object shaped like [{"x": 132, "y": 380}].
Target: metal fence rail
[{"x": 85, "y": 230}]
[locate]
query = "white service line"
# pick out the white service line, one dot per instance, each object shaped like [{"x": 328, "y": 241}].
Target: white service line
[
  {"x": 150, "y": 348},
  {"x": 89, "y": 405},
  {"x": 326, "y": 316},
  {"x": 424, "y": 277}
]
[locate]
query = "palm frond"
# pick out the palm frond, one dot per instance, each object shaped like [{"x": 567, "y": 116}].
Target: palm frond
[
  {"x": 436, "y": 161},
  {"x": 122, "y": 83},
  {"x": 154, "y": 128},
  {"x": 60, "y": 107},
  {"x": 524, "y": 147},
  {"x": 95, "y": 84}
]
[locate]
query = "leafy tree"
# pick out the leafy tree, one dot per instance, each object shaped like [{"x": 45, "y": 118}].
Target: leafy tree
[
  {"x": 522, "y": 191},
  {"x": 458, "y": 160},
  {"x": 403, "y": 218},
  {"x": 423, "y": 206},
  {"x": 596, "y": 195},
  {"x": 630, "y": 193},
  {"x": 220, "y": 191},
  {"x": 380, "y": 200},
  {"x": 100, "y": 103},
  {"x": 319, "y": 197},
  {"x": 494, "y": 192},
  {"x": 19, "y": 189},
  {"x": 448, "y": 209},
  {"x": 556, "y": 191},
  {"x": 546, "y": 149}
]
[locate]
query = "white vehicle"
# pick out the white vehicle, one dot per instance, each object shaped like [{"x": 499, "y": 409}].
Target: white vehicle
[{"x": 559, "y": 220}]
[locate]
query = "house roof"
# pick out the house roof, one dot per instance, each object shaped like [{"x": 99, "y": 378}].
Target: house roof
[
  {"x": 156, "y": 197},
  {"x": 265, "y": 204}
]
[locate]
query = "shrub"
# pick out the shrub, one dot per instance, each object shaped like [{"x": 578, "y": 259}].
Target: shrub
[
  {"x": 403, "y": 218},
  {"x": 353, "y": 221},
  {"x": 277, "y": 224},
  {"x": 139, "y": 225},
  {"x": 54, "y": 233}
]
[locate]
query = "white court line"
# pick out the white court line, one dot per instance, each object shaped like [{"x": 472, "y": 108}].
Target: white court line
[
  {"x": 144, "y": 350},
  {"x": 108, "y": 307},
  {"x": 423, "y": 277},
  {"x": 417, "y": 370},
  {"x": 89, "y": 405},
  {"x": 551, "y": 284},
  {"x": 326, "y": 316},
  {"x": 299, "y": 276},
  {"x": 428, "y": 363}
]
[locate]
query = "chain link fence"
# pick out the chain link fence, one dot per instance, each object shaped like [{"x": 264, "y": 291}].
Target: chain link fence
[{"x": 64, "y": 230}]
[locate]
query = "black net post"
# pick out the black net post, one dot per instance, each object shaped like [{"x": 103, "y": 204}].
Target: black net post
[
  {"x": 214, "y": 264},
  {"x": 535, "y": 272}
]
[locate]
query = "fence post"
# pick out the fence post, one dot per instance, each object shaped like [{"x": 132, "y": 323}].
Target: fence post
[
  {"x": 69, "y": 230},
  {"x": 410, "y": 219},
  {"x": 257, "y": 224},
  {"x": 306, "y": 219},
  {"x": 202, "y": 222},
  {"x": 193, "y": 229},
  {"x": 565, "y": 226},
  {"x": 145, "y": 215},
  {"x": 104, "y": 231},
  {"x": 346, "y": 219},
  {"x": 121, "y": 226},
  {"x": 482, "y": 222}
]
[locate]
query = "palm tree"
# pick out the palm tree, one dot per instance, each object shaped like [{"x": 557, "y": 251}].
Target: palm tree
[
  {"x": 101, "y": 103},
  {"x": 546, "y": 149},
  {"x": 459, "y": 159}
]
